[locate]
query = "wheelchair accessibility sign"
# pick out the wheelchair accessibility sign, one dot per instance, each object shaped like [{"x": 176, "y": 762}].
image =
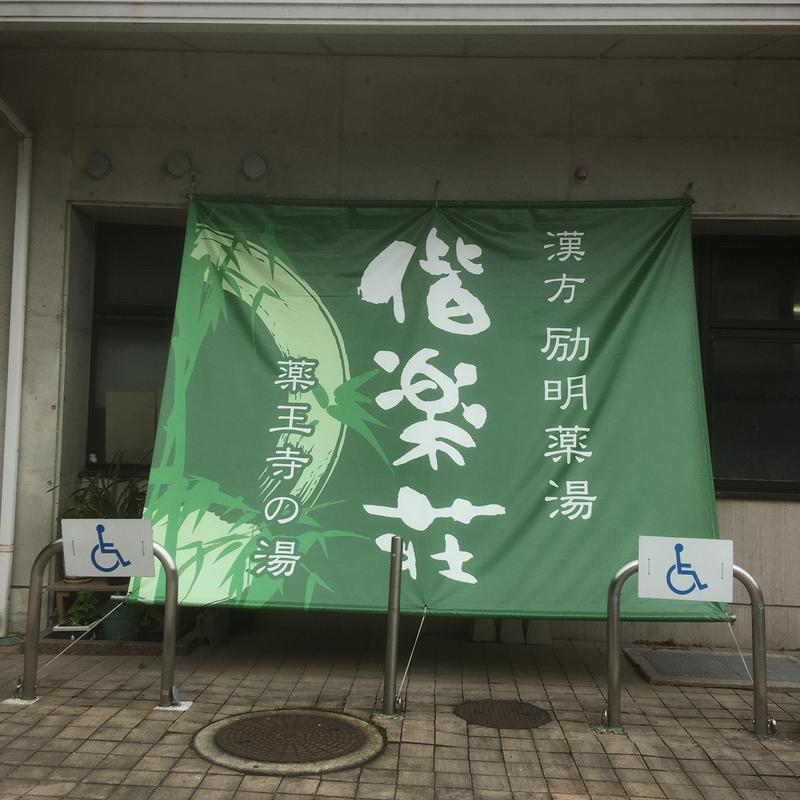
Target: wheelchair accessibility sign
[
  {"x": 108, "y": 548},
  {"x": 686, "y": 569}
]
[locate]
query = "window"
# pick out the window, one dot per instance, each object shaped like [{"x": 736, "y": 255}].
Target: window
[
  {"x": 749, "y": 309},
  {"x": 136, "y": 284}
]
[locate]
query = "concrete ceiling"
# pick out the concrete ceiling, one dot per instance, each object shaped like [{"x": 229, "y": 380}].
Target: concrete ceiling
[{"x": 578, "y": 45}]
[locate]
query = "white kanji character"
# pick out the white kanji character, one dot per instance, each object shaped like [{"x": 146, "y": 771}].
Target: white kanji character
[
  {"x": 454, "y": 309},
  {"x": 569, "y": 245},
  {"x": 576, "y": 390},
  {"x": 382, "y": 279},
  {"x": 296, "y": 375},
  {"x": 282, "y": 562},
  {"x": 563, "y": 345},
  {"x": 466, "y": 255},
  {"x": 286, "y": 462},
  {"x": 455, "y": 558},
  {"x": 435, "y": 250},
  {"x": 568, "y": 443},
  {"x": 451, "y": 307},
  {"x": 416, "y": 512},
  {"x": 566, "y": 285},
  {"x": 431, "y": 391},
  {"x": 576, "y": 503},
  {"x": 295, "y": 418}
]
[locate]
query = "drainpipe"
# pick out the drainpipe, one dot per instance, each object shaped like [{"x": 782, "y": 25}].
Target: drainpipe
[{"x": 16, "y": 335}]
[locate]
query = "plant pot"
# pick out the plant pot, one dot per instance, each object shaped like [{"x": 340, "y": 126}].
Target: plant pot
[{"x": 122, "y": 624}]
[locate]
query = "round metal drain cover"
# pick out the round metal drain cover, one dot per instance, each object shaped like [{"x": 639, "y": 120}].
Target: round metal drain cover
[
  {"x": 296, "y": 736},
  {"x": 290, "y": 742},
  {"x": 502, "y": 714}
]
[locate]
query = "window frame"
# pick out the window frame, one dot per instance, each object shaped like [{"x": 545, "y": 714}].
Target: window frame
[
  {"x": 708, "y": 250},
  {"x": 103, "y": 315}
]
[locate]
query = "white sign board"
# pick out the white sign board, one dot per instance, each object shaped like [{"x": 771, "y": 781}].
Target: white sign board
[
  {"x": 108, "y": 548},
  {"x": 686, "y": 569}
]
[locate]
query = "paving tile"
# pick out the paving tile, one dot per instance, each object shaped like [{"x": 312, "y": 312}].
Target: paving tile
[
  {"x": 131, "y": 793},
  {"x": 95, "y": 735},
  {"x": 91, "y": 791}
]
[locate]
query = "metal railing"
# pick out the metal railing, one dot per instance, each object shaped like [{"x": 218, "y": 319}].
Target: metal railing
[
  {"x": 764, "y": 725},
  {"x": 169, "y": 694}
]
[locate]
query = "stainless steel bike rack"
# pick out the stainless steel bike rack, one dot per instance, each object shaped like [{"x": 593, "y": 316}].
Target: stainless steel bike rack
[
  {"x": 390, "y": 700},
  {"x": 169, "y": 694},
  {"x": 764, "y": 725}
]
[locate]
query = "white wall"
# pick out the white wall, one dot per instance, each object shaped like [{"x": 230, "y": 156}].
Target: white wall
[{"x": 373, "y": 127}]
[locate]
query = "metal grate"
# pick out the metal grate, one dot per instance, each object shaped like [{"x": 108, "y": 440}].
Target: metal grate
[
  {"x": 710, "y": 667},
  {"x": 502, "y": 714},
  {"x": 296, "y": 737}
]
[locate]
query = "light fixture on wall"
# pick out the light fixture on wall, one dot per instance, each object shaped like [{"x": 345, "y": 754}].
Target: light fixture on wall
[
  {"x": 98, "y": 165},
  {"x": 178, "y": 164},
  {"x": 254, "y": 166}
]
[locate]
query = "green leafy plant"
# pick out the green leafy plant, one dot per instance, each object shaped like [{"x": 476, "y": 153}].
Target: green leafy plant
[
  {"x": 151, "y": 620},
  {"x": 106, "y": 495},
  {"x": 84, "y": 610}
]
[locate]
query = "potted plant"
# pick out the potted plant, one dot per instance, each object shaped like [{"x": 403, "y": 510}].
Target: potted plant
[
  {"x": 83, "y": 611},
  {"x": 107, "y": 495},
  {"x": 151, "y": 624}
]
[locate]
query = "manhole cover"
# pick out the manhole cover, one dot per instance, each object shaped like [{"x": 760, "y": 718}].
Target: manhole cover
[
  {"x": 298, "y": 736},
  {"x": 290, "y": 742},
  {"x": 502, "y": 714}
]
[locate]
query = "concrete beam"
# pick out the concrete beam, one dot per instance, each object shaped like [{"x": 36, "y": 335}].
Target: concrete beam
[{"x": 386, "y": 15}]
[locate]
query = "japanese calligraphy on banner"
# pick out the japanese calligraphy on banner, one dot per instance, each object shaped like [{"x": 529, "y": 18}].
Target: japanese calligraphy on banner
[{"x": 513, "y": 389}]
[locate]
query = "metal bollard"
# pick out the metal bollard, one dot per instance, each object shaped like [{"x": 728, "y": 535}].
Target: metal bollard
[
  {"x": 169, "y": 693},
  {"x": 392, "y": 629},
  {"x": 613, "y": 714},
  {"x": 168, "y": 696},
  {"x": 764, "y": 725},
  {"x": 28, "y": 690}
]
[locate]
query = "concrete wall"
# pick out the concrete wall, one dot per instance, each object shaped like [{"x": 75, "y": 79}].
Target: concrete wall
[{"x": 372, "y": 127}]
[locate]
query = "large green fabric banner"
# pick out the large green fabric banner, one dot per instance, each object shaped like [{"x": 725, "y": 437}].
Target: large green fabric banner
[{"x": 514, "y": 389}]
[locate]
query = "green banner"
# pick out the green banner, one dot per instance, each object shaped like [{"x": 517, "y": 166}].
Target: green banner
[{"x": 514, "y": 389}]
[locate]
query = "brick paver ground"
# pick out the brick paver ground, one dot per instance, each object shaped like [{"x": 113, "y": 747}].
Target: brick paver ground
[{"x": 95, "y": 735}]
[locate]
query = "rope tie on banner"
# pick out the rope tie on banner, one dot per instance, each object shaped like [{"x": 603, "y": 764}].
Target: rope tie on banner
[
  {"x": 746, "y": 668},
  {"x": 75, "y": 641},
  {"x": 413, "y": 648}
]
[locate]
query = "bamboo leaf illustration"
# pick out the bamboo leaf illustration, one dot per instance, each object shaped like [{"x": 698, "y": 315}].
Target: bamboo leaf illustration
[
  {"x": 231, "y": 548},
  {"x": 312, "y": 582},
  {"x": 349, "y": 409},
  {"x": 320, "y": 395}
]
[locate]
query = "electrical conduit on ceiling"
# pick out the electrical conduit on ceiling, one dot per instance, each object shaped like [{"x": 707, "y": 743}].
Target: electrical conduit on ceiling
[{"x": 16, "y": 336}]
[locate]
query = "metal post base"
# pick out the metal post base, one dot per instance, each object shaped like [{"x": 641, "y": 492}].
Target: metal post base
[
  {"x": 175, "y": 703},
  {"x": 604, "y": 727},
  {"x": 177, "y": 708},
  {"x": 18, "y": 701},
  {"x": 772, "y": 729},
  {"x": 398, "y": 713}
]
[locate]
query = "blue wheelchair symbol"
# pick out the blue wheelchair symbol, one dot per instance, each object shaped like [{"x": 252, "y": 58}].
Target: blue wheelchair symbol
[
  {"x": 104, "y": 549},
  {"x": 683, "y": 568}
]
